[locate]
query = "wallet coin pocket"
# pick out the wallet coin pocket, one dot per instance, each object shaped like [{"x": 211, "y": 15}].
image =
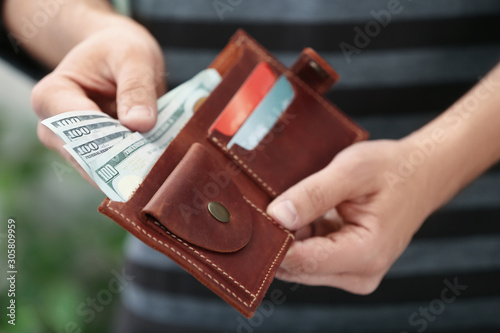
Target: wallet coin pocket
[
  {"x": 200, "y": 203},
  {"x": 306, "y": 135}
]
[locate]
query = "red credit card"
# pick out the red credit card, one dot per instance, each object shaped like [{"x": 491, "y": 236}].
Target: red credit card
[{"x": 251, "y": 92}]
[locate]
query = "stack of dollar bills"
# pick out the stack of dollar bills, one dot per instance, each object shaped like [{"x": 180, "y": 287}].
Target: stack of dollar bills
[{"x": 118, "y": 159}]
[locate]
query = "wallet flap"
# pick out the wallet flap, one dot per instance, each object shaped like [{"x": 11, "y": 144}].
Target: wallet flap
[{"x": 200, "y": 203}]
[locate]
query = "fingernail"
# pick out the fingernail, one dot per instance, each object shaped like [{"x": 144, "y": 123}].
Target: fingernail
[
  {"x": 140, "y": 112},
  {"x": 285, "y": 213}
]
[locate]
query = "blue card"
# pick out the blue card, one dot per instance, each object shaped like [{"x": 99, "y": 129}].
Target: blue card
[{"x": 264, "y": 116}]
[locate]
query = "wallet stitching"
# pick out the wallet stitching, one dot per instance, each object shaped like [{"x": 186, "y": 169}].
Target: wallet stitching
[
  {"x": 308, "y": 89},
  {"x": 240, "y": 161},
  {"x": 188, "y": 260},
  {"x": 205, "y": 258},
  {"x": 271, "y": 267},
  {"x": 311, "y": 92},
  {"x": 290, "y": 235},
  {"x": 238, "y": 42},
  {"x": 267, "y": 216}
]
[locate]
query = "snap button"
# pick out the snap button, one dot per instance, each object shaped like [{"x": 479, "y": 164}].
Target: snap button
[
  {"x": 218, "y": 211},
  {"x": 318, "y": 69}
]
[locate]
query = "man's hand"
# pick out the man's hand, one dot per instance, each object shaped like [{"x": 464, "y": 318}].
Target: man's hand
[{"x": 368, "y": 221}]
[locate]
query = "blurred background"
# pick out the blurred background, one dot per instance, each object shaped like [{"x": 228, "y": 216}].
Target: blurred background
[{"x": 66, "y": 251}]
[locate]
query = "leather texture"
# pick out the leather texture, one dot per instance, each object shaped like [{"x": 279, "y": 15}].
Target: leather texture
[
  {"x": 236, "y": 260},
  {"x": 181, "y": 204}
]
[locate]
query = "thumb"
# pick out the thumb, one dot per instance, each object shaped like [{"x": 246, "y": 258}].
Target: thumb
[
  {"x": 137, "y": 86},
  {"x": 310, "y": 198}
]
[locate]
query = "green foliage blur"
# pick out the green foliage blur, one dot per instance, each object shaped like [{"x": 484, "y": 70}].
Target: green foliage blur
[{"x": 66, "y": 251}]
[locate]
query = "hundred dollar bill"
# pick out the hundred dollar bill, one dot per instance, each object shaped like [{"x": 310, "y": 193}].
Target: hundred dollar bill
[
  {"x": 164, "y": 100},
  {"x": 122, "y": 169},
  {"x": 89, "y": 129},
  {"x": 210, "y": 77},
  {"x": 81, "y": 125},
  {"x": 71, "y": 118},
  {"x": 117, "y": 159},
  {"x": 174, "y": 116},
  {"x": 86, "y": 151}
]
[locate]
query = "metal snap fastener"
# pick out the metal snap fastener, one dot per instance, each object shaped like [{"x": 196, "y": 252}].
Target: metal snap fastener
[
  {"x": 218, "y": 211},
  {"x": 318, "y": 69}
]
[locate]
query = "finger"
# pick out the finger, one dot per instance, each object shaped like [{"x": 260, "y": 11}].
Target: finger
[
  {"x": 310, "y": 198},
  {"x": 328, "y": 223},
  {"x": 304, "y": 232},
  {"x": 362, "y": 285},
  {"x": 56, "y": 94},
  {"x": 344, "y": 251},
  {"x": 137, "y": 86}
]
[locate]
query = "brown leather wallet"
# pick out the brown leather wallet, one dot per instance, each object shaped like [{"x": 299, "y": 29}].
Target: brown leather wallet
[{"x": 169, "y": 211}]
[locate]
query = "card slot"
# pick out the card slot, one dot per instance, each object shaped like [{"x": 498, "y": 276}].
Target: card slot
[
  {"x": 248, "y": 97},
  {"x": 307, "y": 135},
  {"x": 241, "y": 105}
]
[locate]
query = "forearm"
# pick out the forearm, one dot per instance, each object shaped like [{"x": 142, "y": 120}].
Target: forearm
[
  {"x": 459, "y": 145},
  {"x": 49, "y": 29}
]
